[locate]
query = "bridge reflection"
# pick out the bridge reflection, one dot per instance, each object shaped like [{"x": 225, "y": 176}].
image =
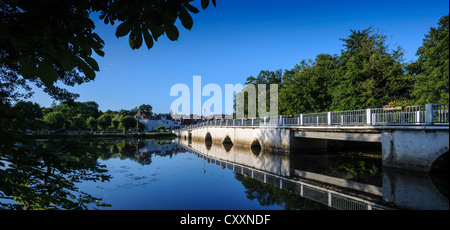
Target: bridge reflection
[{"x": 393, "y": 190}]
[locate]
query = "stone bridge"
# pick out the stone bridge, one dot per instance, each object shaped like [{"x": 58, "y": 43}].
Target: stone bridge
[{"x": 411, "y": 138}]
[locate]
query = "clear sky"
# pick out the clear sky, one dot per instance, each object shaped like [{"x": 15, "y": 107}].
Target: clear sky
[{"x": 238, "y": 39}]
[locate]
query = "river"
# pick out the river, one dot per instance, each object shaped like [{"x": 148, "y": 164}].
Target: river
[{"x": 180, "y": 175}]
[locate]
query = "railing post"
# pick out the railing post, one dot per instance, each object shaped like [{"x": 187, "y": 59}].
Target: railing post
[
  {"x": 300, "y": 122},
  {"x": 368, "y": 116},
  {"x": 429, "y": 114},
  {"x": 418, "y": 117},
  {"x": 281, "y": 120},
  {"x": 329, "y": 118}
]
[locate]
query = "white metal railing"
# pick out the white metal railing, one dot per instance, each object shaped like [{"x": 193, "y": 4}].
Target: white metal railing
[
  {"x": 429, "y": 114},
  {"x": 440, "y": 113}
]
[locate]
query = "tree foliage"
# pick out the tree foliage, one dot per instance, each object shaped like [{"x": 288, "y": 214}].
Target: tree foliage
[
  {"x": 128, "y": 122},
  {"x": 264, "y": 78},
  {"x": 55, "y": 120},
  {"x": 104, "y": 121},
  {"x": 368, "y": 74},
  {"x": 430, "y": 73},
  {"x": 91, "y": 123},
  {"x": 306, "y": 86},
  {"x": 45, "y": 41}
]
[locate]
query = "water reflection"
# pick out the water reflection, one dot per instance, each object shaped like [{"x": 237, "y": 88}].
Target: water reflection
[
  {"x": 137, "y": 150},
  {"x": 341, "y": 181},
  {"x": 42, "y": 175},
  {"x": 46, "y": 175}
]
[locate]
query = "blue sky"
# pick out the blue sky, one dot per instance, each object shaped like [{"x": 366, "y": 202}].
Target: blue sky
[{"x": 239, "y": 38}]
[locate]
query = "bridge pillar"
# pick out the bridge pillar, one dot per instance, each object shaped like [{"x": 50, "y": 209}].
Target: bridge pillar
[{"x": 413, "y": 149}]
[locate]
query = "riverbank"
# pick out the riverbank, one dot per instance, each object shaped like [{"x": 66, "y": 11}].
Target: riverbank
[{"x": 104, "y": 135}]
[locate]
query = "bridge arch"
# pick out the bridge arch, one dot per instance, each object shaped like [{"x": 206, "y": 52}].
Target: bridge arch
[
  {"x": 227, "y": 143},
  {"x": 208, "y": 140},
  {"x": 441, "y": 163},
  {"x": 208, "y": 137},
  {"x": 256, "y": 147},
  {"x": 227, "y": 140}
]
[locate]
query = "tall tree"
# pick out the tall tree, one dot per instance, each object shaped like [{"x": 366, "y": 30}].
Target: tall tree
[
  {"x": 55, "y": 120},
  {"x": 128, "y": 122},
  {"x": 369, "y": 74},
  {"x": 430, "y": 73},
  {"x": 307, "y": 86},
  {"x": 91, "y": 123},
  {"x": 265, "y": 77},
  {"x": 78, "y": 122},
  {"x": 104, "y": 121},
  {"x": 146, "y": 108}
]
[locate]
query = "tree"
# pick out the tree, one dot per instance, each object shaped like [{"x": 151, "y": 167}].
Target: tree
[
  {"x": 307, "y": 86},
  {"x": 141, "y": 127},
  {"x": 115, "y": 124},
  {"x": 368, "y": 74},
  {"x": 45, "y": 41},
  {"x": 55, "y": 120},
  {"x": 104, "y": 121},
  {"x": 265, "y": 77},
  {"x": 29, "y": 114},
  {"x": 146, "y": 108},
  {"x": 78, "y": 122},
  {"x": 430, "y": 73},
  {"x": 91, "y": 123},
  {"x": 160, "y": 128},
  {"x": 128, "y": 122}
]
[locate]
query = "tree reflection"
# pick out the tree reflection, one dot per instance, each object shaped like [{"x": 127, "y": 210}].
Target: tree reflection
[{"x": 42, "y": 175}]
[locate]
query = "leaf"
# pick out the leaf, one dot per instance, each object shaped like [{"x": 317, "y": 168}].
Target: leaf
[
  {"x": 172, "y": 32},
  {"x": 157, "y": 31},
  {"x": 99, "y": 52},
  {"x": 205, "y": 4},
  {"x": 28, "y": 68},
  {"x": 92, "y": 63},
  {"x": 192, "y": 9},
  {"x": 123, "y": 29},
  {"x": 185, "y": 18},
  {"x": 66, "y": 60},
  {"x": 147, "y": 38},
  {"x": 88, "y": 72},
  {"x": 47, "y": 73},
  {"x": 135, "y": 39}
]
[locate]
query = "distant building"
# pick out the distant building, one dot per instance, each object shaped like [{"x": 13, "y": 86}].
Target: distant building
[{"x": 151, "y": 122}]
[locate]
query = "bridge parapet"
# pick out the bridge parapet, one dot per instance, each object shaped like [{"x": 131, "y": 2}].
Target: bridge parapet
[
  {"x": 429, "y": 114},
  {"x": 412, "y": 137}
]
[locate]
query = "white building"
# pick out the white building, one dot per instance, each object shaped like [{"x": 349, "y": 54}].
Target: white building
[{"x": 152, "y": 122}]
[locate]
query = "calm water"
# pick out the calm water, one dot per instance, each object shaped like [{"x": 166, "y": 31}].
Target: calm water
[{"x": 179, "y": 175}]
